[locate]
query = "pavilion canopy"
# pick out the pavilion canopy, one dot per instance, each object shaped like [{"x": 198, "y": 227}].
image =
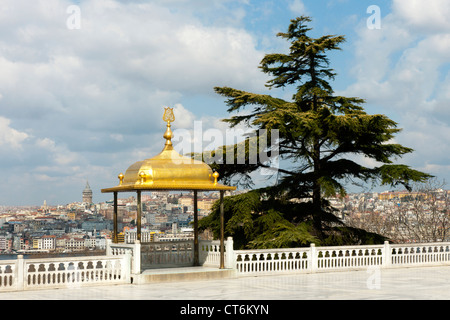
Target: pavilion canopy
[{"x": 169, "y": 171}]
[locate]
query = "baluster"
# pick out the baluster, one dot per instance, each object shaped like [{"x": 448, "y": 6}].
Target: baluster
[
  {"x": 2, "y": 276},
  {"x": 45, "y": 275}
]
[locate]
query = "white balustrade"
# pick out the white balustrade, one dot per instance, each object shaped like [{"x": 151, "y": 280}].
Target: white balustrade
[
  {"x": 334, "y": 258},
  {"x": 173, "y": 253},
  {"x": 350, "y": 257},
  {"x": 271, "y": 260},
  {"x": 319, "y": 259},
  {"x": 124, "y": 260},
  {"x": 209, "y": 253},
  {"x": 420, "y": 254},
  {"x": 25, "y": 274},
  {"x": 8, "y": 272}
]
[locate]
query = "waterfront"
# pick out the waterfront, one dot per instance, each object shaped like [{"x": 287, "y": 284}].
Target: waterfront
[{"x": 11, "y": 256}]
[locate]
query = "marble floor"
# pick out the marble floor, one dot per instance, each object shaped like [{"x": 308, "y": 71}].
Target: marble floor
[{"x": 428, "y": 283}]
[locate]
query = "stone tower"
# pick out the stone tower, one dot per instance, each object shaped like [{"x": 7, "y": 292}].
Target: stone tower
[{"x": 87, "y": 193}]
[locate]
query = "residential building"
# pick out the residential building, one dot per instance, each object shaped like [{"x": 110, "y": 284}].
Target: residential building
[
  {"x": 75, "y": 244},
  {"x": 48, "y": 243}
]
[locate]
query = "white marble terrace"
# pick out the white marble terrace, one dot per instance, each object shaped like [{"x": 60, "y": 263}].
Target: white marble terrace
[{"x": 125, "y": 262}]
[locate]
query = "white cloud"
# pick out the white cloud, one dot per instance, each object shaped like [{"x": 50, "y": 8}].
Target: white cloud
[
  {"x": 10, "y": 137},
  {"x": 423, "y": 16},
  {"x": 397, "y": 64},
  {"x": 402, "y": 71},
  {"x": 297, "y": 7},
  {"x": 206, "y": 133},
  {"x": 92, "y": 98},
  {"x": 124, "y": 55},
  {"x": 117, "y": 137},
  {"x": 183, "y": 117}
]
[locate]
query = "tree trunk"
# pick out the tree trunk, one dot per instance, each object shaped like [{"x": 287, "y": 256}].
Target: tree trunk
[{"x": 317, "y": 197}]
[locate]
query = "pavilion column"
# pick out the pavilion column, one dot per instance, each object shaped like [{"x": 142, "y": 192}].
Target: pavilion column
[
  {"x": 222, "y": 246},
  {"x": 115, "y": 239},
  {"x": 138, "y": 216},
  {"x": 196, "y": 256}
]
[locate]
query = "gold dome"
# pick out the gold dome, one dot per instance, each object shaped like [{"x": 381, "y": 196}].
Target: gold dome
[{"x": 168, "y": 171}]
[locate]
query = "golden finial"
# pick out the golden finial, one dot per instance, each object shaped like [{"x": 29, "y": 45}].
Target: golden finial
[
  {"x": 168, "y": 117},
  {"x": 215, "y": 175},
  {"x": 121, "y": 176}
]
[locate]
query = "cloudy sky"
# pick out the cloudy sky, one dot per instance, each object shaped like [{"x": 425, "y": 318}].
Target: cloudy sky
[{"x": 83, "y": 83}]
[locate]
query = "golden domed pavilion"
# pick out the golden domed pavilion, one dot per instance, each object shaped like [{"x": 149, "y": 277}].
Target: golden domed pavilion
[{"x": 168, "y": 171}]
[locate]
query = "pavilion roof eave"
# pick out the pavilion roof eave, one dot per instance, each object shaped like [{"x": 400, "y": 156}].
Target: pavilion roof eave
[{"x": 132, "y": 188}]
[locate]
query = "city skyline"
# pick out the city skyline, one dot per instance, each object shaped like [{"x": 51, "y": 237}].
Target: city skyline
[
  {"x": 82, "y": 92},
  {"x": 379, "y": 212}
]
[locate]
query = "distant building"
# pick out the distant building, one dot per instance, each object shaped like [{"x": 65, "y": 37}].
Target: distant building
[
  {"x": 5, "y": 242},
  {"x": 186, "y": 201},
  {"x": 130, "y": 235},
  {"x": 48, "y": 243},
  {"x": 75, "y": 244},
  {"x": 206, "y": 204},
  {"x": 87, "y": 194},
  {"x": 100, "y": 243}
]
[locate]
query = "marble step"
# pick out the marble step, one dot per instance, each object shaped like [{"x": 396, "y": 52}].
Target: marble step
[{"x": 182, "y": 274}]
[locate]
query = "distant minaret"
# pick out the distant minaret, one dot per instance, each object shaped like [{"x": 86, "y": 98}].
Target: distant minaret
[{"x": 87, "y": 193}]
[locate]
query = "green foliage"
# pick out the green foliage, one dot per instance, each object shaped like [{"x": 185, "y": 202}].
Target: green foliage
[
  {"x": 344, "y": 235},
  {"x": 321, "y": 135},
  {"x": 283, "y": 234},
  {"x": 257, "y": 220}
]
